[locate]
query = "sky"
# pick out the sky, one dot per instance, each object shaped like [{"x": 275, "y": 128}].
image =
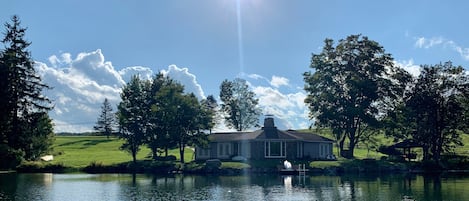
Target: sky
[{"x": 87, "y": 50}]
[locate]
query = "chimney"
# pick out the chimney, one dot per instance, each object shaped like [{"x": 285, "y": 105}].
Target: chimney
[
  {"x": 269, "y": 127},
  {"x": 269, "y": 122}
]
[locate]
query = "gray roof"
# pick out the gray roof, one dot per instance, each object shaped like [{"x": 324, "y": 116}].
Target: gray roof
[{"x": 266, "y": 134}]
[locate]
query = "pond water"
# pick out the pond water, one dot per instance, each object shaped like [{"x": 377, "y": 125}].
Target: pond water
[{"x": 250, "y": 187}]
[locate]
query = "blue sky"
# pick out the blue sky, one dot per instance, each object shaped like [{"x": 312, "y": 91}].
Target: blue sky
[{"x": 88, "y": 49}]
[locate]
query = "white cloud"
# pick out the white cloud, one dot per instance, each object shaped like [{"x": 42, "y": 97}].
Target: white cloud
[
  {"x": 80, "y": 86},
  {"x": 255, "y": 76},
  {"x": 422, "y": 42},
  {"x": 409, "y": 66},
  {"x": 288, "y": 109},
  {"x": 279, "y": 81},
  {"x": 143, "y": 72},
  {"x": 186, "y": 78}
]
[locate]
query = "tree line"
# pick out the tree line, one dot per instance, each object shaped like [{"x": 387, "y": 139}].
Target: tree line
[
  {"x": 357, "y": 91},
  {"x": 160, "y": 114},
  {"x": 354, "y": 88}
]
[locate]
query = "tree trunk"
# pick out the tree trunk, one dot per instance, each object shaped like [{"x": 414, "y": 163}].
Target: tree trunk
[
  {"x": 341, "y": 146},
  {"x": 154, "y": 152},
  {"x": 181, "y": 152},
  {"x": 134, "y": 155}
]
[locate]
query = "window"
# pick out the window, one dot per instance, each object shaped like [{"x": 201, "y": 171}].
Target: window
[
  {"x": 203, "y": 153},
  {"x": 244, "y": 149},
  {"x": 224, "y": 150},
  {"x": 275, "y": 149},
  {"x": 299, "y": 149}
]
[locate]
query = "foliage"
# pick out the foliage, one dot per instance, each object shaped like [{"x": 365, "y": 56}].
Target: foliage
[
  {"x": 107, "y": 119},
  {"x": 352, "y": 86},
  {"x": 239, "y": 105},
  {"x": 132, "y": 116},
  {"x": 23, "y": 104},
  {"x": 210, "y": 105},
  {"x": 160, "y": 114},
  {"x": 435, "y": 109}
]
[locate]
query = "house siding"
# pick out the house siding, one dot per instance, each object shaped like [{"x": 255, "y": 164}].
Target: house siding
[{"x": 257, "y": 149}]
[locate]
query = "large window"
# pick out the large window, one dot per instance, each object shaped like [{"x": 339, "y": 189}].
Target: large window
[{"x": 275, "y": 149}]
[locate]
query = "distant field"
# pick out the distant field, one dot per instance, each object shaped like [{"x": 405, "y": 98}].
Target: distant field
[{"x": 80, "y": 151}]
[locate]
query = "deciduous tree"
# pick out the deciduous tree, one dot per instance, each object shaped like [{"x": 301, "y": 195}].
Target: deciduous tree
[
  {"x": 352, "y": 84},
  {"x": 239, "y": 105},
  {"x": 132, "y": 114},
  {"x": 436, "y": 108}
]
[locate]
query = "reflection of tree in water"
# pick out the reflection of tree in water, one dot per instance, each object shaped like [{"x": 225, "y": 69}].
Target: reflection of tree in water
[{"x": 432, "y": 187}]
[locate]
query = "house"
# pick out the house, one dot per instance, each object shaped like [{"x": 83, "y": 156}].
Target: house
[{"x": 266, "y": 143}]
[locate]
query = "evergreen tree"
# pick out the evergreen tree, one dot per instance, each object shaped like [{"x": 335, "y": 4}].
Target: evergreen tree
[
  {"x": 106, "y": 120},
  {"x": 21, "y": 91},
  {"x": 239, "y": 105}
]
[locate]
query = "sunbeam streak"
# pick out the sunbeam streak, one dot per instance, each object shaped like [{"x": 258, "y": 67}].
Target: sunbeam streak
[{"x": 240, "y": 37}]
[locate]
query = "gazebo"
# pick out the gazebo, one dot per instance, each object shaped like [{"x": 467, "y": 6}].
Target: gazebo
[{"x": 406, "y": 147}]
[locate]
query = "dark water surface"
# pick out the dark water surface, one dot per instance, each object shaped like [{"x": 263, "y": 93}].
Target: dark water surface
[{"x": 254, "y": 187}]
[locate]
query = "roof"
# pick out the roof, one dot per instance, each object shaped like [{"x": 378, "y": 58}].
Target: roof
[
  {"x": 408, "y": 143},
  {"x": 268, "y": 134}
]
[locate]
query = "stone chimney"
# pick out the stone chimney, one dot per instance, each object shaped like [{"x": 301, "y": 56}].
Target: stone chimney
[
  {"x": 269, "y": 127},
  {"x": 269, "y": 122}
]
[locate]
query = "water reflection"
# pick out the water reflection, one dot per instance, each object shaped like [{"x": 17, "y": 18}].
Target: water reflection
[{"x": 255, "y": 187}]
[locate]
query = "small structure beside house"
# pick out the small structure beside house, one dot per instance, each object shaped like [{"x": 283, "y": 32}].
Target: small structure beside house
[{"x": 266, "y": 143}]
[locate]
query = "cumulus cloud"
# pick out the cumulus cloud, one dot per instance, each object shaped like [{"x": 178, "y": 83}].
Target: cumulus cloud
[
  {"x": 80, "y": 86},
  {"x": 288, "y": 108},
  {"x": 422, "y": 42},
  {"x": 143, "y": 72},
  {"x": 279, "y": 81},
  {"x": 186, "y": 78}
]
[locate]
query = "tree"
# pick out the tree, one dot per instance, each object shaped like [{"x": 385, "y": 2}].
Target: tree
[
  {"x": 435, "y": 108},
  {"x": 210, "y": 104},
  {"x": 164, "y": 111},
  {"x": 353, "y": 84},
  {"x": 192, "y": 120},
  {"x": 183, "y": 117},
  {"x": 239, "y": 105},
  {"x": 132, "y": 116},
  {"x": 22, "y": 100},
  {"x": 106, "y": 120}
]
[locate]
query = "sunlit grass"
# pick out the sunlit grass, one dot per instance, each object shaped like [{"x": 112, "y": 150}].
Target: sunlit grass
[{"x": 80, "y": 151}]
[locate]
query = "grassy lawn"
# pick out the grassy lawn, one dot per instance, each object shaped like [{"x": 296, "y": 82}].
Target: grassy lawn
[{"x": 80, "y": 151}]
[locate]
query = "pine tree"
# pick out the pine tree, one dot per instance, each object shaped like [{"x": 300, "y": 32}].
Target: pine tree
[
  {"x": 106, "y": 120},
  {"x": 21, "y": 91}
]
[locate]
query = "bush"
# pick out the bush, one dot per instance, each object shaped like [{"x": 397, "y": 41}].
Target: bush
[
  {"x": 10, "y": 158},
  {"x": 34, "y": 166}
]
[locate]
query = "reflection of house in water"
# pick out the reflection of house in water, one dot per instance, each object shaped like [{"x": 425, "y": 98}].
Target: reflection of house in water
[{"x": 266, "y": 143}]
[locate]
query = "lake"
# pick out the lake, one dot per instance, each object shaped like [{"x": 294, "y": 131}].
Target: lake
[{"x": 251, "y": 187}]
